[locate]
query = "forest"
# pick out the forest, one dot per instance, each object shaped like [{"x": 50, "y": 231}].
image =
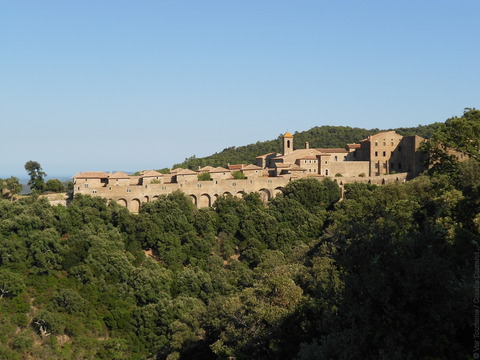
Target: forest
[
  {"x": 318, "y": 137},
  {"x": 386, "y": 272}
]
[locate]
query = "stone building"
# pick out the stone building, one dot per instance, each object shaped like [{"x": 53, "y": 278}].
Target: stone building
[{"x": 378, "y": 159}]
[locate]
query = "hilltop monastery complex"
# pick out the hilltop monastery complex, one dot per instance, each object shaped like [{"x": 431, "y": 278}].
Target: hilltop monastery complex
[{"x": 380, "y": 158}]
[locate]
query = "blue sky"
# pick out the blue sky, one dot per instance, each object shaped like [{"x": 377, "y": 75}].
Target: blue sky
[{"x": 131, "y": 85}]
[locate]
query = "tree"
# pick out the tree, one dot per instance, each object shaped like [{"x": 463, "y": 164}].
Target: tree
[
  {"x": 204, "y": 177},
  {"x": 54, "y": 185},
  {"x": 458, "y": 133},
  {"x": 313, "y": 194},
  {"x": 10, "y": 187},
  {"x": 34, "y": 170}
]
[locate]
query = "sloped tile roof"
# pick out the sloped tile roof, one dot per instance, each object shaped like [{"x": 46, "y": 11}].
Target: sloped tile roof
[
  {"x": 150, "y": 173},
  {"x": 119, "y": 175},
  {"x": 186, "y": 172},
  {"x": 333, "y": 150},
  {"x": 92, "y": 175}
]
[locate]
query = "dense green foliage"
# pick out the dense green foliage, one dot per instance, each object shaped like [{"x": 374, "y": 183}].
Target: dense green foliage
[
  {"x": 306, "y": 277},
  {"x": 10, "y": 187},
  {"x": 318, "y": 137},
  {"x": 385, "y": 273}
]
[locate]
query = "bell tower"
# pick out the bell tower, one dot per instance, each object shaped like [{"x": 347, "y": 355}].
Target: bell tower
[{"x": 287, "y": 143}]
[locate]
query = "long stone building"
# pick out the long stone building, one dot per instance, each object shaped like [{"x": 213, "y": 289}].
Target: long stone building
[{"x": 378, "y": 159}]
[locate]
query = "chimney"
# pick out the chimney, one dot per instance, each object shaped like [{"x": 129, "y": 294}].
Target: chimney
[{"x": 307, "y": 145}]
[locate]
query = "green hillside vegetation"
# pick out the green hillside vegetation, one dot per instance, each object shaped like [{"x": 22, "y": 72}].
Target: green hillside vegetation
[
  {"x": 387, "y": 273},
  {"x": 318, "y": 137}
]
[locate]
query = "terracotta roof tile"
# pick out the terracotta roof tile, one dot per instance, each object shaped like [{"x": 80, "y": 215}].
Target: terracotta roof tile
[
  {"x": 333, "y": 150},
  {"x": 119, "y": 175},
  {"x": 308, "y": 158},
  {"x": 288, "y": 135},
  {"x": 149, "y": 173},
  {"x": 252, "y": 167},
  {"x": 236, "y": 166},
  {"x": 92, "y": 175},
  {"x": 186, "y": 172}
]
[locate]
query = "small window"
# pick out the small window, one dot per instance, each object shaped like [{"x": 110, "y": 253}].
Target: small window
[
  {"x": 384, "y": 153},
  {"x": 129, "y": 190},
  {"x": 234, "y": 184},
  {"x": 376, "y": 143},
  {"x": 109, "y": 188},
  {"x": 336, "y": 158},
  {"x": 376, "y": 153},
  {"x": 199, "y": 185},
  {"x": 326, "y": 162},
  {"x": 78, "y": 188},
  {"x": 326, "y": 172},
  {"x": 86, "y": 186},
  {"x": 94, "y": 191}
]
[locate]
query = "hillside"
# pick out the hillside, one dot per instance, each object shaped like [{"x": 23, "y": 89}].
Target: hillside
[{"x": 319, "y": 136}]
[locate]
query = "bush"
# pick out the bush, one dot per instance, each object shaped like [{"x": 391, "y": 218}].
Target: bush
[
  {"x": 204, "y": 177},
  {"x": 338, "y": 175},
  {"x": 54, "y": 185},
  {"x": 238, "y": 175},
  {"x": 361, "y": 175}
]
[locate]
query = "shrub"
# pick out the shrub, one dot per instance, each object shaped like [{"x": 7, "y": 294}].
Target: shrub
[
  {"x": 338, "y": 175},
  {"x": 361, "y": 175},
  {"x": 204, "y": 177},
  {"x": 238, "y": 175}
]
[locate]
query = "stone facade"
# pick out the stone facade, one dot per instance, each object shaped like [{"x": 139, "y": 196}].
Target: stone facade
[{"x": 381, "y": 158}]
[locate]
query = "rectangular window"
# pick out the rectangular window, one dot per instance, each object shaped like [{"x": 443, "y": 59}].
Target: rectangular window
[
  {"x": 129, "y": 190},
  {"x": 86, "y": 186},
  {"x": 199, "y": 185},
  {"x": 384, "y": 153},
  {"x": 376, "y": 153},
  {"x": 94, "y": 191}
]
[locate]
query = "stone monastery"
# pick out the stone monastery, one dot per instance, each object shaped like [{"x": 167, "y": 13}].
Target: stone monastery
[{"x": 378, "y": 159}]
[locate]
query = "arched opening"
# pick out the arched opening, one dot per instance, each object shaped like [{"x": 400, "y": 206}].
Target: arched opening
[
  {"x": 194, "y": 199},
  {"x": 204, "y": 201},
  {"x": 155, "y": 197},
  {"x": 239, "y": 194},
  {"x": 135, "y": 206},
  {"x": 122, "y": 202},
  {"x": 265, "y": 194},
  {"x": 288, "y": 144},
  {"x": 226, "y": 193},
  {"x": 277, "y": 191},
  {"x": 146, "y": 199}
]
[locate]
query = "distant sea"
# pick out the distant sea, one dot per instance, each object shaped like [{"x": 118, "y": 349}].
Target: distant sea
[{"x": 26, "y": 188}]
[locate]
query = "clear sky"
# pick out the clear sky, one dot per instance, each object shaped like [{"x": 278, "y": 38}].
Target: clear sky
[{"x": 131, "y": 85}]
